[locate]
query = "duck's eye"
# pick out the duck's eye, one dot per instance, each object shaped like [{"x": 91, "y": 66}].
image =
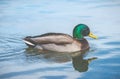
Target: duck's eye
[{"x": 85, "y": 32}]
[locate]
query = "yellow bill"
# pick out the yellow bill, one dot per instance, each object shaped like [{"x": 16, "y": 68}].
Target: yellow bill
[{"x": 92, "y": 35}]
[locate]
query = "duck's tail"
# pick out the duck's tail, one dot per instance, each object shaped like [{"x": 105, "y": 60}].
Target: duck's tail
[{"x": 29, "y": 42}]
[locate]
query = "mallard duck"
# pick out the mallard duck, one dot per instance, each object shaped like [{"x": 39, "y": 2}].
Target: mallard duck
[{"x": 59, "y": 42}]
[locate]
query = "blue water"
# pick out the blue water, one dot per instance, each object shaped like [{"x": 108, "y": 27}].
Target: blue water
[{"x": 20, "y": 18}]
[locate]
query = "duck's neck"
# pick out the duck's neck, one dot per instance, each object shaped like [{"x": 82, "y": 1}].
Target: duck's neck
[{"x": 84, "y": 43}]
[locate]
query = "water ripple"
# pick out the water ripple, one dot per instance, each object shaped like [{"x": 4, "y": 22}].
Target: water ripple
[
  {"x": 12, "y": 74},
  {"x": 10, "y": 47}
]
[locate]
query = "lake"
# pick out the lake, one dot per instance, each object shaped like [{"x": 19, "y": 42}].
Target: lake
[{"x": 21, "y": 18}]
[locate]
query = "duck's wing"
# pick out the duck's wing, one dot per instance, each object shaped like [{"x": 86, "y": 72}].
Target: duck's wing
[{"x": 56, "y": 38}]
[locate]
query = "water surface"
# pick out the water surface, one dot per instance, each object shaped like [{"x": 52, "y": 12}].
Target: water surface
[{"x": 20, "y": 18}]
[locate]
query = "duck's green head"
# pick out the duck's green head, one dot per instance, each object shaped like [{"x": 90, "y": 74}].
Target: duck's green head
[{"x": 82, "y": 30}]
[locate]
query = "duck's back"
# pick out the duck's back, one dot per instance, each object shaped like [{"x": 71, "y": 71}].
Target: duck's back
[
  {"x": 54, "y": 42},
  {"x": 57, "y": 38}
]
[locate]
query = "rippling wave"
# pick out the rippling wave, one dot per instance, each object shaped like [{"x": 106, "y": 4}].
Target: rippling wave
[{"x": 10, "y": 47}]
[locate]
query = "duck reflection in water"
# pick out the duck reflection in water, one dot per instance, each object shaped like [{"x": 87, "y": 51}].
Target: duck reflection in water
[{"x": 79, "y": 63}]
